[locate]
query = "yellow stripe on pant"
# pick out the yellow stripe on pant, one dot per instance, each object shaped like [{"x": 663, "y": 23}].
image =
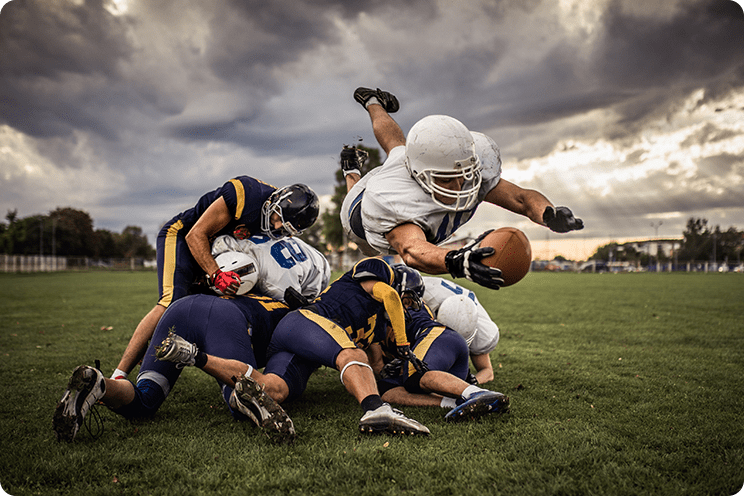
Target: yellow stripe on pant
[
  {"x": 169, "y": 263},
  {"x": 334, "y": 330},
  {"x": 423, "y": 346}
]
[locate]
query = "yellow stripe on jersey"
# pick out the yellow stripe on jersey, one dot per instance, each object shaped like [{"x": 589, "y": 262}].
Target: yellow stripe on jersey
[
  {"x": 169, "y": 263},
  {"x": 393, "y": 306},
  {"x": 334, "y": 330},
  {"x": 423, "y": 346},
  {"x": 240, "y": 196}
]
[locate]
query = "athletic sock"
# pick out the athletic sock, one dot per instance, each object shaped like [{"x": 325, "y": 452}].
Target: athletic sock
[
  {"x": 470, "y": 390},
  {"x": 372, "y": 402},
  {"x": 372, "y": 101}
]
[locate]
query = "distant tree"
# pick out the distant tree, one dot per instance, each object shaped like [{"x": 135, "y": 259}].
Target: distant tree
[
  {"x": 73, "y": 232},
  {"x": 697, "y": 241},
  {"x": 703, "y": 243},
  {"x": 105, "y": 244},
  {"x": 133, "y": 244},
  {"x": 314, "y": 236},
  {"x": 332, "y": 230}
]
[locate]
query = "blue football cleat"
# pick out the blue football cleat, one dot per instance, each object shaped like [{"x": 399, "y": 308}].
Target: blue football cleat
[{"x": 477, "y": 405}]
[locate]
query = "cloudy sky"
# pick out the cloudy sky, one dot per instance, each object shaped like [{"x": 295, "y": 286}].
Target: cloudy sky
[{"x": 631, "y": 113}]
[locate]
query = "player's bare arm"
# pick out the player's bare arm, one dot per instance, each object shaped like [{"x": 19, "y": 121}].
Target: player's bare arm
[
  {"x": 387, "y": 132},
  {"x": 483, "y": 368},
  {"x": 535, "y": 206},
  {"x": 527, "y": 202},
  {"x": 409, "y": 241},
  {"x": 214, "y": 218}
]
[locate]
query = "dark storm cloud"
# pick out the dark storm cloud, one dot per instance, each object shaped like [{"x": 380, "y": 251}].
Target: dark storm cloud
[
  {"x": 55, "y": 61},
  {"x": 657, "y": 61}
]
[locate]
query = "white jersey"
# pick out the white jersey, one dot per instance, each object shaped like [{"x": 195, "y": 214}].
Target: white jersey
[
  {"x": 390, "y": 197},
  {"x": 486, "y": 331},
  {"x": 281, "y": 263}
]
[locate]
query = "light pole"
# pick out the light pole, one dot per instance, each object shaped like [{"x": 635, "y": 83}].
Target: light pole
[{"x": 656, "y": 226}]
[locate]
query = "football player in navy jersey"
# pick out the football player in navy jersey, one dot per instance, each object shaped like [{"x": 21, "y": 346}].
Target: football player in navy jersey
[
  {"x": 243, "y": 206},
  {"x": 444, "y": 380},
  {"x": 334, "y": 330},
  {"x": 192, "y": 329}
]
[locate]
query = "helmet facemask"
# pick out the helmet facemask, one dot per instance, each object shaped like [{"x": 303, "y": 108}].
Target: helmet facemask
[
  {"x": 462, "y": 199},
  {"x": 306, "y": 208}
]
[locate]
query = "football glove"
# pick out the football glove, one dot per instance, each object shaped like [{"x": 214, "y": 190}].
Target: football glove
[
  {"x": 352, "y": 160},
  {"x": 561, "y": 219},
  {"x": 470, "y": 379},
  {"x": 392, "y": 369},
  {"x": 294, "y": 299},
  {"x": 387, "y": 100},
  {"x": 227, "y": 282},
  {"x": 404, "y": 352},
  {"x": 466, "y": 262}
]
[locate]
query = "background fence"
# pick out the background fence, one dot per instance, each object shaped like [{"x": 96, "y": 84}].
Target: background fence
[{"x": 48, "y": 263}]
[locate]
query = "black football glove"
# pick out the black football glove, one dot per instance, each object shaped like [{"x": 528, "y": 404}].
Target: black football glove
[
  {"x": 392, "y": 369},
  {"x": 466, "y": 262},
  {"x": 352, "y": 160},
  {"x": 470, "y": 379},
  {"x": 561, "y": 220},
  {"x": 294, "y": 299},
  {"x": 387, "y": 100}
]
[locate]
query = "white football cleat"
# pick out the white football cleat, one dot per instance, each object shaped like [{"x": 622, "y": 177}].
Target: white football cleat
[
  {"x": 387, "y": 419},
  {"x": 86, "y": 386},
  {"x": 177, "y": 350}
]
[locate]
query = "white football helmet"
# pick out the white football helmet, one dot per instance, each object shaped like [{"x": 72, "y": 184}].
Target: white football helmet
[
  {"x": 459, "y": 313},
  {"x": 487, "y": 150},
  {"x": 441, "y": 147},
  {"x": 242, "y": 264}
]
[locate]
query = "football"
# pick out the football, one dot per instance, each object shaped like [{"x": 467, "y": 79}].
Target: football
[{"x": 513, "y": 253}]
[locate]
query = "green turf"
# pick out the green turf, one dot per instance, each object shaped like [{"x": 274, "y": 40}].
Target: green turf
[{"x": 620, "y": 384}]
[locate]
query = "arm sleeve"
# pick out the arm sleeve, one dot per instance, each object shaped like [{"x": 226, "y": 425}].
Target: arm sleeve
[{"x": 385, "y": 294}]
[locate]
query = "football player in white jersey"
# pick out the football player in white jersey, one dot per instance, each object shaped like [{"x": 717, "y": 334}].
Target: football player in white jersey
[
  {"x": 282, "y": 263},
  {"x": 486, "y": 336},
  {"x": 431, "y": 184}
]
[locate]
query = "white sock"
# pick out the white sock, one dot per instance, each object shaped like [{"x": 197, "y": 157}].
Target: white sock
[
  {"x": 372, "y": 101},
  {"x": 119, "y": 374},
  {"x": 448, "y": 403},
  {"x": 470, "y": 390}
]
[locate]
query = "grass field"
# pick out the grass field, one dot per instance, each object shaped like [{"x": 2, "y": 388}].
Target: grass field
[{"x": 620, "y": 384}]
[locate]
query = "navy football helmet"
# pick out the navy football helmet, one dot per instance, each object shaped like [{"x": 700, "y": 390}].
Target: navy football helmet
[
  {"x": 297, "y": 207},
  {"x": 408, "y": 282}
]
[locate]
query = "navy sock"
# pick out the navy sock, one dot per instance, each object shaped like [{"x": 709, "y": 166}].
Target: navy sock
[{"x": 371, "y": 402}]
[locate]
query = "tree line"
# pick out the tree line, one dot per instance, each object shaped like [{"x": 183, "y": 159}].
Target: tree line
[
  {"x": 69, "y": 232},
  {"x": 700, "y": 243}
]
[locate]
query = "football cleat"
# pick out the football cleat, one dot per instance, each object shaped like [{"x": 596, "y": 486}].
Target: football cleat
[
  {"x": 87, "y": 385},
  {"x": 387, "y": 419},
  {"x": 478, "y": 405},
  {"x": 250, "y": 399},
  {"x": 387, "y": 100},
  {"x": 177, "y": 350}
]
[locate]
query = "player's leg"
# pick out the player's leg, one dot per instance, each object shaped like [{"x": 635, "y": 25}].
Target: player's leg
[{"x": 175, "y": 275}]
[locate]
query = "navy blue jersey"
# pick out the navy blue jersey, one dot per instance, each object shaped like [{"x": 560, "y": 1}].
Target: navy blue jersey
[
  {"x": 262, "y": 314},
  {"x": 244, "y": 197},
  {"x": 420, "y": 321},
  {"x": 347, "y": 304}
]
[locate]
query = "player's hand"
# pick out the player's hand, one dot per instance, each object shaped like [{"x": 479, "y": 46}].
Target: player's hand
[
  {"x": 227, "y": 282},
  {"x": 466, "y": 262},
  {"x": 294, "y": 299},
  {"x": 561, "y": 219},
  {"x": 352, "y": 160},
  {"x": 392, "y": 369}
]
